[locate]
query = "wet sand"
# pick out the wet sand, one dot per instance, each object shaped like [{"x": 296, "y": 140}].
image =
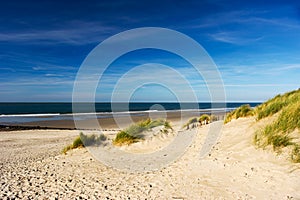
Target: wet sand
[{"x": 110, "y": 123}]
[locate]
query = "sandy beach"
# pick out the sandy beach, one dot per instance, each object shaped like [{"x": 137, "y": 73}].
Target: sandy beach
[
  {"x": 33, "y": 167},
  {"x": 150, "y": 100},
  {"x": 109, "y": 121}
]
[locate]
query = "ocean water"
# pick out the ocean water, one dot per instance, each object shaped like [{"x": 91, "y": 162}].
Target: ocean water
[{"x": 15, "y": 113}]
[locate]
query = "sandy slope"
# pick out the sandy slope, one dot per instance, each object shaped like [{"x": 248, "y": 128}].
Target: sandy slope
[{"x": 31, "y": 166}]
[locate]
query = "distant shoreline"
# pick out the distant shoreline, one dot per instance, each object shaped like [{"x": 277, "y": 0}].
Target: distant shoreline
[
  {"x": 66, "y": 108},
  {"x": 108, "y": 123},
  {"x": 53, "y": 116}
]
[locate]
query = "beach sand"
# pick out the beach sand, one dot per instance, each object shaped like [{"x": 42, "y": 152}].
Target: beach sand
[
  {"x": 33, "y": 167},
  {"x": 110, "y": 122}
]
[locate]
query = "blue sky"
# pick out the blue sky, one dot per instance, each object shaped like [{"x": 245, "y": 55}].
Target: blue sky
[{"x": 255, "y": 45}]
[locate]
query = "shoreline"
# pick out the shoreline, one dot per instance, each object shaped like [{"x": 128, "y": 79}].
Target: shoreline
[{"x": 110, "y": 122}]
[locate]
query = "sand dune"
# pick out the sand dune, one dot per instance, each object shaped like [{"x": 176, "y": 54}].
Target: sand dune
[{"x": 32, "y": 166}]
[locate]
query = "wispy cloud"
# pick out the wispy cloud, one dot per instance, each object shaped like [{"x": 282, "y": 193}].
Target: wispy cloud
[
  {"x": 243, "y": 17},
  {"x": 234, "y": 38},
  {"x": 47, "y": 81},
  {"x": 240, "y": 26},
  {"x": 288, "y": 67},
  {"x": 54, "y": 75},
  {"x": 48, "y": 67},
  {"x": 76, "y": 33}
]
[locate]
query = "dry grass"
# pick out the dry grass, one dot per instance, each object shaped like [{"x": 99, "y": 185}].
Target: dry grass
[
  {"x": 134, "y": 133},
  {"x": 242, "y": 111},
  {"x": 277, "y": 133},
  {"x": 85, "y": 140}
]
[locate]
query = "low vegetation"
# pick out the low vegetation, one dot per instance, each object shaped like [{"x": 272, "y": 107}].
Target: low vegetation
[
  {"x": 277, "y": 103},
  {"x": 213, "y": 118},
  {"x": 134, "y": 133},
  {"x": 283, "y": 131},
  {"x": 191, "y": 121},
  {"x": 205, "y": 118},
  {"x": 85, "y": 140},
  {"x": 278, "y": 133},
  {"x": 242, "y": 111},
  {"x": 295, "y": 155}
]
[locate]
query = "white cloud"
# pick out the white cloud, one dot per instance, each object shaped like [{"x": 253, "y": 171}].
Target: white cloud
[
  {"x": 234, "y": 38},
  {"x": 245, "y": 18},
  {"x": 76, "y": 33}
]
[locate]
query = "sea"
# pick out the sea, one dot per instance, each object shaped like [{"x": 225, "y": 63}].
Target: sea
[{"x": 17, "y": 113}]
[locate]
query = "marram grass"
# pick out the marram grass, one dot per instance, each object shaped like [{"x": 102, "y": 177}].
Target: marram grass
[
  {"x": 85, "y": 140},
  {"x": 277, "y": 134},
  {"x": 242, "y": 111},
  {"x": 134, "y": 133}
]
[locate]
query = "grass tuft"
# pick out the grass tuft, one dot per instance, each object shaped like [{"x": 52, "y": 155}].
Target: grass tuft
[
  {"x": 295, "y": 156},
  {"x": 124, "y": 138},
  {"x": 85, "y": 140},
  {"x": 242, "y": 111},
  {"x": 277, "y": 103},
  {"x": 204, "y": 117},
  {"x": 279, "y": 141},
  {"x": 191, "y": 121},
  {"x": 134, "y": 133},
  {"x": 277, "y": 133}
]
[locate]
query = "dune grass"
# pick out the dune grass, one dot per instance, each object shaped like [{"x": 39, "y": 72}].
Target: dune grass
[
  {"x": 202, "y": 118},
  {"x": 85, "y": 140},
  {"x": 192, "y": 121},
  {"x": 213, "y": 118},
  {"x": 205, "y": 117},
  {"x": 242, "y": 111},
  {"x": 277, "y": 103},
  {"x": 278, "y": 133},
  {"x": 77, "y": 143},
  {"x": 134, "y": 133},
  {"x": 295, "y": 155},
  {"x": 124, "y": 138}
]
